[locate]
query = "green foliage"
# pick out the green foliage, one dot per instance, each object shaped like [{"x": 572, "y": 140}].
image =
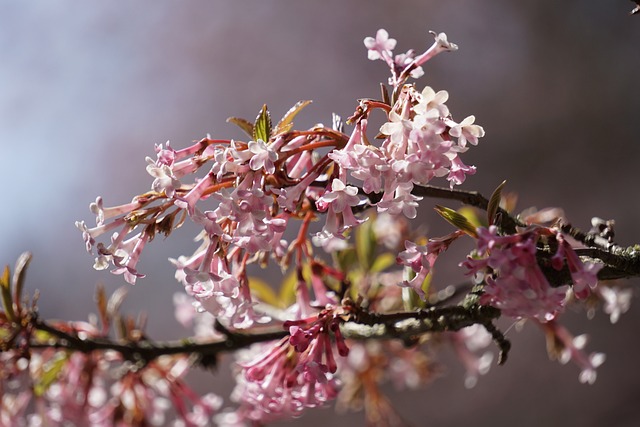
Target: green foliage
[
  {"x": 5, "y": 285},
  {"x": 50, "y": 373},
  {"x": 262, "y": 125},
  {"x": 457, "y": 220},
  {"x": 264, "y": 292},
  {"x": 365, "y": 245}
]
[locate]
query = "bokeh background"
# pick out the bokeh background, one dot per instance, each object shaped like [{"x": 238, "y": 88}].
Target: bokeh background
[{"x": 87, "y": 89}]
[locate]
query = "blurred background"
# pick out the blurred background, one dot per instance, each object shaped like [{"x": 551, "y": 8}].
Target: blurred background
[{"x": 86, "y": 90}]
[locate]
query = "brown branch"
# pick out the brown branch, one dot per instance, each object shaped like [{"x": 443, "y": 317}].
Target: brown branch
[
  {"x": 407, "y": 326},
  {"x": 471, "y": 198}
]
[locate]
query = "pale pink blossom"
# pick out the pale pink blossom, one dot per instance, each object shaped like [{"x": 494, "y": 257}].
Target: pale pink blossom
[
  {"x": 380, "y": 47},
  {"x": 617, "y": 301},
  {"x": 432, "y": 104},
  {"x": 165, "y": 181},
  {"x": 466, "y": 131},
  {"x": 569, "y": 348},
  {"x": 514, "y": 282},
  {"x": 399, "y": 201},
  {"x": 263, "y": 156}
]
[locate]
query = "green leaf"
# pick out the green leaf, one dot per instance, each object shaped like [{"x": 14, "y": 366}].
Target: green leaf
[
  {"x": 243, "y": 124},
  {"x": 262, "y": 126},
  {"x": 410, "y": 298},
  {"x": 263, "y": 291},
  {"x": 457, "y": 220},
  {"x": 382, "y": 262},
  {"x": 347, "y": 259},
  {"x": 287, "y": 294},
  {"x": 50, "y": 373},
  {"x": 472, "y": 216},
  {"x": 365, "y": 245},
  {"x": 494, "y": 203},
  {"x": 286, "y": 123},
  {"x": 5, "y": 288}
]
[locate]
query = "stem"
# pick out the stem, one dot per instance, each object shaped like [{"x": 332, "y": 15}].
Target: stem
[
  {"x": 307, "y": 147},
  {"x": 363, "y": 325},
  {"x": 472, "y": 198}
]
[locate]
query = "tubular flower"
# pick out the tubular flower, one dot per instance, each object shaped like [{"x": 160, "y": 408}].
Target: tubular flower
[
  {"x": 514, "y": 282},
  {"x": 296, "y": 373}
]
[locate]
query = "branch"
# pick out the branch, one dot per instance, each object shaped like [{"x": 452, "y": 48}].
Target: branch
[
  {"x": 471, "y": 198},
  {"x": 407, "y": 326},
  {"x": 145, "y": 350}
]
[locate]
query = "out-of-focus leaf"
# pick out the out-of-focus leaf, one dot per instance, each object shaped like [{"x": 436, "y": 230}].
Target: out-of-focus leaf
[
  {"x": 382, "y": 262},
  {"x": 347, "y": 259},
  {"x": 5, "y": 285},
  {"x": 19, "y": 274},
  {"x": 287, "y": 294},
  {"x": 101, "y": 303},
  {"x": 50, "y": 372},
  {"x": 365, "y": 245},
  {"x": 286, "y": 123},
  {"x": 426, "y": 286},
  {"x": 115, "y": 301},
  {"x": 457, "y": 220},
  {"x": 494, "y": 203},
  {"x": 263, "y": 291},
  {"x": 262, "y": 126},
  {"x": 243, "y": 124},
  {"x": 472, "y": 216}
]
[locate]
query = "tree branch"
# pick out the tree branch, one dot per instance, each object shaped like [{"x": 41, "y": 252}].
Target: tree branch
[{"x": 407, "y": 326}]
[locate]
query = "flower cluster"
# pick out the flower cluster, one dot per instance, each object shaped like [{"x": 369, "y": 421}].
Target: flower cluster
[
  {"x": 514, "y": 280},
  {"x": 254, "y": 190},
  {"x": 256, "y": 202},
  {"x": 297, "y": 372},
  {"x": 99, "y": 389}
]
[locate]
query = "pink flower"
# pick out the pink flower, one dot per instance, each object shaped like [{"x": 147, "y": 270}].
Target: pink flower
[
  {"x": 338, "y": 203},
  {"x": 431, "y": 104},
  {"x": 165, "y": 181},
  {"x": 583, "y": 274},
  {"x": 421, "y": 258},
  {"x": 403, "y": 60},
  {"x": 467, "y": 343},
  {"x": 263, "y": 156},
  {"x": 616, "y": 301},
  {"x": 380, "y": 47},
  {"x": 459, "y": 171},
  {"x": 126, "y": 259},
  {"x": 293, "y": 374},
  {"x": 514, "y": 282},
  {"x": 441, "y": 44},
  {"x": 466, "y": 131},
  {"x": 565, "y": 347},
  {"x": 399, "y": 201},
  {"x": 102, "y": 213}
]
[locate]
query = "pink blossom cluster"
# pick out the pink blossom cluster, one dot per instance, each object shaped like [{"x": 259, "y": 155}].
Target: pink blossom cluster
[
  {"x": 60, "y": 388},
  {"x": 255, "y": 202},
  {"x": 565, "y": 347},
  {"x": 514, "y": 281},
  {"x": 421, "y": 258},
  {"x": 281, "y": 380},
  {"x": 253, "y": 190}
]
